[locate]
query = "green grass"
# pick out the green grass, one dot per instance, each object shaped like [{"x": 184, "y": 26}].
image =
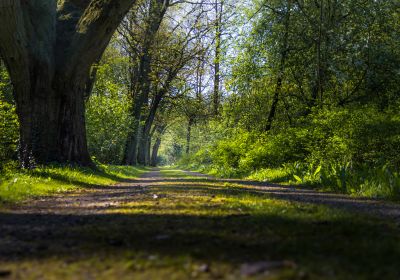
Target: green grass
[
  {"x": 197, "y": 223},
  {"x": 278, "y": 175},
  {"x": 170, "y": 172},
  {"x": 373, "y": 182},
  {"x": 42, "y": 181}
]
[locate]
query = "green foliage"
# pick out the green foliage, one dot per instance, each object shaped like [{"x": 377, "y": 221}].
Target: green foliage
[
  {"x": 108, "y": 115},
  {"x": 346, "y": 150},
  {"x": 8, "y": 124},
  {"x": 108, "y": 121},
  {"x": 378, "y": 181}
]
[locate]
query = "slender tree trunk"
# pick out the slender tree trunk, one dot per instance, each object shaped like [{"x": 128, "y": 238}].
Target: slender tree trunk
[
  {"x": 189, "y": 135},
  {"x": 156, "y": 14},
  {"x": 274, "y": 106},
  {"x": 318, "y": 88},
  {"x": 148, "y": 150},
  {"x": 217, "y": 61},
  {"x": 139, "y": 105},
  {"x": 160, "y": 130},
  {"x": 145, "y": 136},
  {"x": 129, "y": 146},
  {"x": 154, "y": 153},
  {"x": 278, "y": 87}
]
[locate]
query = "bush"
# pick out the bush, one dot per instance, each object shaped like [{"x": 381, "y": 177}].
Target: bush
[
  {"x": 363, "y": 135},
  {"x": 8, "y": 134},
  {"x": 353, "y": 151},
  {"x": 108, "y": 122}
]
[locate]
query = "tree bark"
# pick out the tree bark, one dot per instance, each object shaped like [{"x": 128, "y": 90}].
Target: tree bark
[
  {"x": 189, "y": 135},
  {"x": 160, "y": 130},
  {"x": 145, "y": 136},
  {"x": 48, "y": 51},
  {"x": 154, "y": 153},
  {"x": 144, "y": 146},
  {"x": 217, "y": 62}
]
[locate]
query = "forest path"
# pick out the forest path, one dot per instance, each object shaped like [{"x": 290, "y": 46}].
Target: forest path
[
  {"x": 172, "y": 224},
  {"x": 380, "y": 208}
]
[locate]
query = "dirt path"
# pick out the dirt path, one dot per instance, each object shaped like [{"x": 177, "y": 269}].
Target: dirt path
[
  {"x": 100, "y": 199},
  {"x": 379, "y": 208},
  {"x": 182, "y": 227}
]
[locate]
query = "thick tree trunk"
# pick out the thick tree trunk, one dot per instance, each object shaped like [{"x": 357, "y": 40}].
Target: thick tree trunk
[
  {"x": 72, "y": 142},
  {"x": 52, "y": 126},
  {"x": 48, "y": 51},
  {"x": 38, "y": 112}
]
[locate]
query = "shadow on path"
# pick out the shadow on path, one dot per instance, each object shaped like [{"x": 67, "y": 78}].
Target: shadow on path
[{"x": 80, "y": 226}]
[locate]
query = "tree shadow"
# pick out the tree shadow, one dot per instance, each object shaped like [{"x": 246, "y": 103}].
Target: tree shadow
[
  {"x": 342, "y": 245},
  {"x": 80, "y": 183},
  {"x": 275, "y": 191}
]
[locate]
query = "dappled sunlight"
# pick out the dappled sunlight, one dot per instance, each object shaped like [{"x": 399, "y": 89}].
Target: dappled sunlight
[{"x": 160, "y": 227}]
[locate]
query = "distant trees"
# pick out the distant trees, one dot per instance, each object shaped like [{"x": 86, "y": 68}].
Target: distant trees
[
  {"x": 161, "y": 39},
  {"x": 303, "y": 55},
  {"x": 311, "y": 89}
]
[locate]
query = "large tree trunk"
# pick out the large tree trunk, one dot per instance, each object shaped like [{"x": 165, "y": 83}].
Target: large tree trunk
[
  {"x": 48, "y": 51},
  {"x": 71, "y": 136}
]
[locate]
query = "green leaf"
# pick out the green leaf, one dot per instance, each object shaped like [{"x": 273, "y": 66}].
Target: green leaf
[
  {"x": 298, "y": 179},
  {"x": 317, "y": 171}
]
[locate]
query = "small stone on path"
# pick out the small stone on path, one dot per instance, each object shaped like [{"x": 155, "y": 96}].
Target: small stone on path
[{"x": 251, "y": 269}]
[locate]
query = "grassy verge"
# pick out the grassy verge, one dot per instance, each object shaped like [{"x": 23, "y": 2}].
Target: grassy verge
[
  {"x": 21, "y": 185},
  {"x": 379, "y": 182}
]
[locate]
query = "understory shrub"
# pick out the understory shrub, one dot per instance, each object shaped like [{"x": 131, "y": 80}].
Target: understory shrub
[
  {"x": 108, "y": 122},
  {"x": 346, "y": 150},
  {"x": 8, "y": 135}
]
